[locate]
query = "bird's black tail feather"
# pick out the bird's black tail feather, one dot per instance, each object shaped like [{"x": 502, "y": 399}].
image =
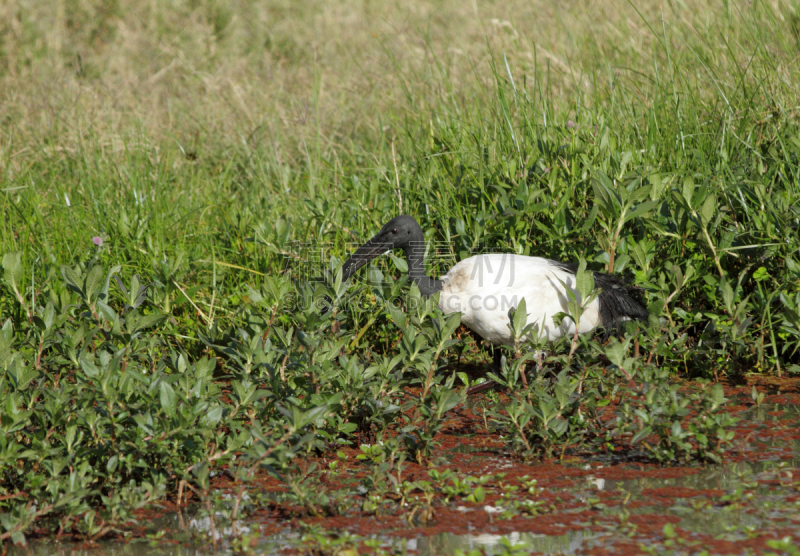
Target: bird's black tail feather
[{"x": 620, "y": 301}]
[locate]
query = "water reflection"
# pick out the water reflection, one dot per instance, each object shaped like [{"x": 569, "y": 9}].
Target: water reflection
[
  {"x": 749, "y": 497},
  {"x": 448, "y": 543},
  {"x": 134, "y": 548},
  {"x": 724, "y": 515}
]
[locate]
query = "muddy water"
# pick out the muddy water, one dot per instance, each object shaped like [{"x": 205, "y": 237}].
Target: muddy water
[
  {"x": 729, "y": 502},
  {"x": 109, "y": 549},
  {"x": 596, "y": 505},
  {"x": 746, "y": 498},
  {"x": 448, "y": 543}
]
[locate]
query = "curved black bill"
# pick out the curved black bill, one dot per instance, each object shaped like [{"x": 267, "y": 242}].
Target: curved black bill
[{"x": 362, "y": 256}]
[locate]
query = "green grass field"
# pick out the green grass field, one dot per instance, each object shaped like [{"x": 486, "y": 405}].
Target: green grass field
[{"x": 226, "y": 153}]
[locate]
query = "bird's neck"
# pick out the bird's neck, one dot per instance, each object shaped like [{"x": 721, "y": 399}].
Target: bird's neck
[{"x": 415, "y": 257}]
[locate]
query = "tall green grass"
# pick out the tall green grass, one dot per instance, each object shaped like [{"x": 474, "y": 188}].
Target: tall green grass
[{"x": 665, "y": 147}]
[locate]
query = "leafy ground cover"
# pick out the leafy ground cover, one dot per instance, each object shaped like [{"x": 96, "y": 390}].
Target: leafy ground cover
[
  {"x": 472, "y": 496},
  {"x": 180, "y": 184}
]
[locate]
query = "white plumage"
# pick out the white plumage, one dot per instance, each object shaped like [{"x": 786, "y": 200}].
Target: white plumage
[{"x": 483, "y": 288}]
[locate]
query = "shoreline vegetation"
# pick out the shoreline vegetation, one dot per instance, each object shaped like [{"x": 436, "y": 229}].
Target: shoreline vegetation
[{"x": 175, "y": 176}]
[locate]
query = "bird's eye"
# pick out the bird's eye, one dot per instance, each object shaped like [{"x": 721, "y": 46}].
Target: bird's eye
[{"x": 394, "y": 231}]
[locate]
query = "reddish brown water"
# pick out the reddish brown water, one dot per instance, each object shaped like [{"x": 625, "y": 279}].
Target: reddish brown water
[{"x": 587, "y": 504}]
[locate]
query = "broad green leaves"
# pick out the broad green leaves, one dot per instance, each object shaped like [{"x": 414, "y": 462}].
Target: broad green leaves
[
  {"x": 13, "y": 274},
  {"x": 696, "y": 203},
  {"x": 620, "y": 204},
  {"x": 519, "y": 318},
  {"x": 168, "y": 398},
  {"x": 20, "y": 374}
]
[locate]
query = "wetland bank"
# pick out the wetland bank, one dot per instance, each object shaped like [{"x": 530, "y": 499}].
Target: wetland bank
[{"x": 181, "y": 183}]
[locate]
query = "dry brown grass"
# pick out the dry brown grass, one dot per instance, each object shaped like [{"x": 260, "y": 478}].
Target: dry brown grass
[{"x": 210, "y": 74}]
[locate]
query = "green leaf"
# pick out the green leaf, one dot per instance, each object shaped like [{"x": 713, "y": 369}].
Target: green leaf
[
  {"x": 690, "y": 271},
  {"x": 398, "y": 316},
  {"x": 589, "y": 220},
  {"x": 89, "y": 368},
  {"x": 451, "y": 325},
  {"x": 375, "y": 276},
  {"x": 447, "y": 400},
  {"x": 641, "y": 435},
  {"x": 519, "y": 318},
  {"x": 688, "y": 190},
  {"x": 169, "y": 400},
  {"x": 642, "y": 210},
  {"x": 12, "y": 271},
  {"x": 49, "y": 315},
  {"x": 21, "y": 375},
  {"x": 7, "y": 331},
  {"x": 708, "y": 209},
  {"x": 401, "y": 264},
  {"x": 254, "y": 295},
  {"x": 727, "y": 294},
  {"x": 72, "y": 279},
  {"x": 107, "y": 312},
  {"x": 337, "y": 282},
  {"x": 94, "y": 281},
  {"x": 213, "y": 416},
  {"x": 479, "y": 494},
  {"x": 69, "y": 437},
  {"x": 333, "y": 351},
  {"x": 605, "y": 196},
  {"x": 146, "y": 321},
  {"x": 312, "y": 415},
  {"x": 282, "y": 232},
  {"x": 415, "y": 302},
  {"x": 135, "y": 289},
  {"x": 760, "y": 274},
  {"x": 18, "y": 538},
  {"x": 584, "y": 280},
  {"x": 104, "y": 292},
  {"x": 669, "y": 531},
  {"x": 575, "y": 310},
  {"x": 718, "y": 394},
  {"x": 616, "y": 351}
]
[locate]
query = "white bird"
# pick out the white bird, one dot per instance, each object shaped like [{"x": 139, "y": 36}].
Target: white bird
[{"x": 484, "y": 287}]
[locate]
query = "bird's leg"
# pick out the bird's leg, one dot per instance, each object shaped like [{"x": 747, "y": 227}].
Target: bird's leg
[
  {"x": 488, "y": 385},
  {"x": 497, "y": 360},
  {"x": 497, "y": 367}
]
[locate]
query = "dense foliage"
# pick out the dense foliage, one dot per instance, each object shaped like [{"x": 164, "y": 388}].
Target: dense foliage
[{"x": 161, "y": 312}]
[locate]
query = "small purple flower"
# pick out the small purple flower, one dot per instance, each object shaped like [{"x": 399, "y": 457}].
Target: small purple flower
[
  {"x": 571, "y": 124},
  {"x": 97, "y": 240}
]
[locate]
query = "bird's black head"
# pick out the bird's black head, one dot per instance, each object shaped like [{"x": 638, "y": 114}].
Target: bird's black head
[{"x": 401, "y": 231}]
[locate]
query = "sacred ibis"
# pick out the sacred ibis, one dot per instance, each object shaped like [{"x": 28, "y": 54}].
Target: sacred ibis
[{"x": 484, "y": 287}]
